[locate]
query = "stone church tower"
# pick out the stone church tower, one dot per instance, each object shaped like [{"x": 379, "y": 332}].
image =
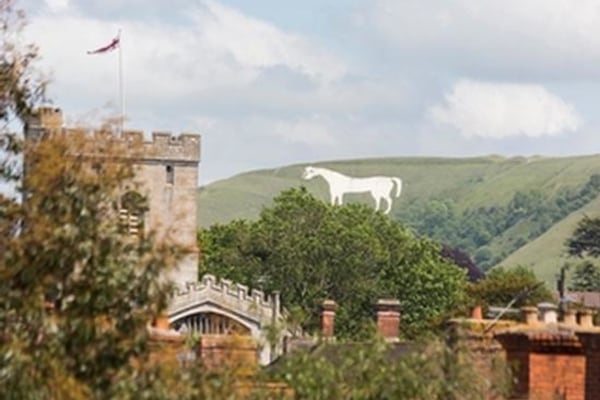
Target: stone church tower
[{"x": 167, "y": 171}]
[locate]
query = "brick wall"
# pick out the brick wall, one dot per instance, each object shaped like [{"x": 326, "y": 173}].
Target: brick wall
[
  {"x": 557, "y": 376},
  {"x": 545, "y": 365},
  {"x": 591, "y": 347},
  {"x": 518, "y": 361}
]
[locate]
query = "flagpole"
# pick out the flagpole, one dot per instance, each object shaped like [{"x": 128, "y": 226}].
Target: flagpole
[{"x": 121, "y": 94}]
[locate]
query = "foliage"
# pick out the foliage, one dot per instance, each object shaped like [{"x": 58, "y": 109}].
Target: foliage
[
  {"x": 585, "y": 238},
  {"x": 429, "y": 369},
  {"x": 20, "y": 83},
  {"x": 77, "y": 290},
  {"x": 500, "y": 286},
  {"x": 586, "y": 277},
  {"x": 311, "y": 251},
  {"x": 585, "y": 242},
  {"x": 474, "y": 229},
  {"x": 463, "y": 260}
]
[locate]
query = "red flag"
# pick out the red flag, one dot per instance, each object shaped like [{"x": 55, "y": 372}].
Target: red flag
[{"x": 109, "y": 47}]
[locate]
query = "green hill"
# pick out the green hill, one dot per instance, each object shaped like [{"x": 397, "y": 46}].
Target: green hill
[
  {"x": 518, "y": 209},
  {"x": 547, "y": 253}
]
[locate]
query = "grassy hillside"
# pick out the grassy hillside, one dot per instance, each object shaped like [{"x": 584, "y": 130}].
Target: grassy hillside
[
  {"x": 547, "y": 253},
  {"x": 469, "y": 183}
]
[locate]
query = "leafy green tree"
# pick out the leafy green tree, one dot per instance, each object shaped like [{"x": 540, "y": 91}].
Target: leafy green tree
[
  {"x": 77, "y": 291},
  {"x": 501, "y": 285},
  {"x": 21, "y": 85},
  {"x": 430, "y": 369},
  {"x": 586, "y": 277},
  {"x": 585, "y": 240},
  {"x": 311, "y": 251}
]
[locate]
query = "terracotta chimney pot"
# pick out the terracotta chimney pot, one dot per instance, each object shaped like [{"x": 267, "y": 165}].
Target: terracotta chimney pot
[
  {"x": 162, "y": 322},
  {"x": 570, "y": 317},
  {"x": 388, "y": 319},
  {"x": 586, "y": 318},
  {"x": 549, "y": 313},
  {"x": 476, "y": 312},
  {"x": 328, "y": 308},
  {"x": 529, "y": 315}
]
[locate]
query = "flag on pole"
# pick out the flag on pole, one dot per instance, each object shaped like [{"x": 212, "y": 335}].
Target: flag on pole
[{"x": 114, "y": 44}]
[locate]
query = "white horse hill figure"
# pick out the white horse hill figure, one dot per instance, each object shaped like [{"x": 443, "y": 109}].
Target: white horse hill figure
[{"x": 380, "y": 187}]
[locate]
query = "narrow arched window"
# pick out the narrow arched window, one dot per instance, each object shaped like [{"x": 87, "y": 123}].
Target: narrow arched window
[
  {"x": 170, "y": 174},
  {"x": 131, "y": 213}
]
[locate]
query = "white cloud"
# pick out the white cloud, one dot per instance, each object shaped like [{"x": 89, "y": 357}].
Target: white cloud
[
  {"x": 313, "y": 131},
  {"x": 217, "y": 47},
  {"x": 57, "y": 5},
  {"x": 259, "y": 44},
  {"x": 497, "y": 110},
  {"x": 544, "y": 37}
]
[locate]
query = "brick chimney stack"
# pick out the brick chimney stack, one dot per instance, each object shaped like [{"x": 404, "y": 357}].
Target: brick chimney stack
[
  {"x": 388, "y": 319},
  {"x": 328, "y": 318}
]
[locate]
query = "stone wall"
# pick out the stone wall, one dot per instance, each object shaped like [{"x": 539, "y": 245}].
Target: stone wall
[{"x": 166, "y": 174}]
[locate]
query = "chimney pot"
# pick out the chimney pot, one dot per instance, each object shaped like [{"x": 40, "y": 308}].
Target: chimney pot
[
  {"x": 529, "y": 314},
  {"x": 328, "y": 308},
  {"x": 162, "y": 322},
  {"x": 388, "y": 319},
  {"x": 549, "y": 313},
  {"x": 570, "y": 317},
  {"x": 476, "y": 312},
  {"x": 586, "y": 318}
]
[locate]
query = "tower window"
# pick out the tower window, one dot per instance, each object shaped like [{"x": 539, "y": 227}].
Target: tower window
[
  {"x": 170, "y": 174},
  {"x": 131, "y": 213}
]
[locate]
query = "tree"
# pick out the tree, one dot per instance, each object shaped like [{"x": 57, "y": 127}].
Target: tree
[
  {"x": 77, "y": 291},
  {"x": 501, "y": 285},
  {"x": 585, "y": 240},
  {"x": 586, "y": 277},
  {"x": 311, "y": 251},
  {"x": 20, "y": 83},
  {"x": 463, "y": 260},
  {"x": 427, "y": 369}
]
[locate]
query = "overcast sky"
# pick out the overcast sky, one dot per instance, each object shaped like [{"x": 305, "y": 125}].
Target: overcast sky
[{"x": 271, "y": 82}]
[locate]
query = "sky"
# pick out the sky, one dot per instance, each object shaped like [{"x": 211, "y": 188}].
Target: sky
[{"x": 269, "y": 83}]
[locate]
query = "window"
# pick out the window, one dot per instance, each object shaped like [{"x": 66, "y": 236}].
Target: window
[
  {"x": 170, "y": 174},
  {"x": 210, "y": 324},
  {"x": 131, "y": 213}
]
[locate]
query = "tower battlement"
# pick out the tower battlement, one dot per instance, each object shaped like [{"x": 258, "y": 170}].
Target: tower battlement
[
  {"x": 48, "y": 118},
  {"x": 163, "y": 146}
]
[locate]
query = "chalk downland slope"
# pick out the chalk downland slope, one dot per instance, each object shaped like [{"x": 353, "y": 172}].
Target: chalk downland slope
[{"x": 468, "y": 182}]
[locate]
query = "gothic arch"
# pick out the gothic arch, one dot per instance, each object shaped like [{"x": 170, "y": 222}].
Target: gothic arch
[{"x": 252, "y": 310}]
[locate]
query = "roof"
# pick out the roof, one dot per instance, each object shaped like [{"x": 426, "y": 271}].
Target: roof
[{"x": 587, "y": 299}]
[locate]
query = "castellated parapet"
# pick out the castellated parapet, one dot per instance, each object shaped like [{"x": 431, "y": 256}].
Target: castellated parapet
[
  {"x": 252, "y": 299},
  {"x": 163, "y": 146}
]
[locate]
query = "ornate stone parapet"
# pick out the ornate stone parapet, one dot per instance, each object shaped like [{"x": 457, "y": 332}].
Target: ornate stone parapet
[{"x": 249, "y": 303}]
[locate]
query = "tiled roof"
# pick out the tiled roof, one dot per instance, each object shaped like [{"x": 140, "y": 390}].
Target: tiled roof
[{"x": 587, "y": 299}]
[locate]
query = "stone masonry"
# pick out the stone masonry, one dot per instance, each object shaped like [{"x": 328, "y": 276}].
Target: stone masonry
[{"x": 167, "y": 171}]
